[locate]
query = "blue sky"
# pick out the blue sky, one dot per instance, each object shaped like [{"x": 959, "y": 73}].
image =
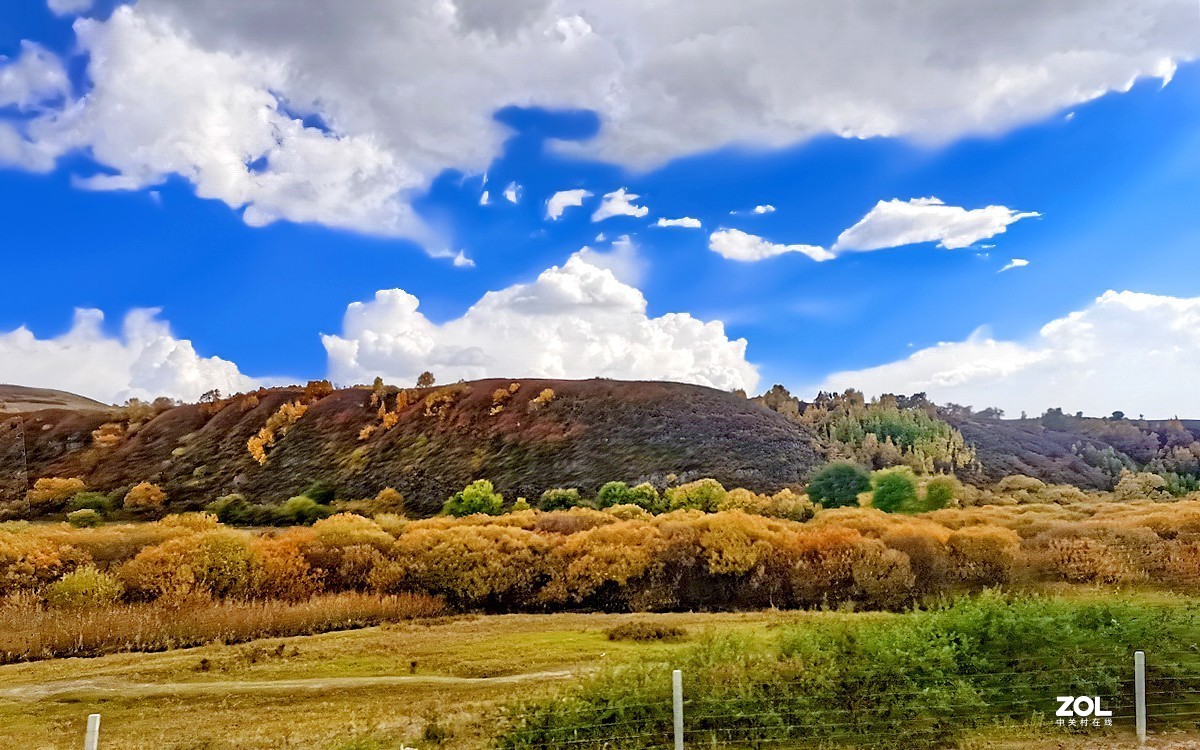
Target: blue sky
[{"x": 1115, "y": 181}]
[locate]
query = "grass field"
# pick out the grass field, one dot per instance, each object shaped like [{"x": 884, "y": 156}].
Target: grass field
[{"x": 415, "y": 682}]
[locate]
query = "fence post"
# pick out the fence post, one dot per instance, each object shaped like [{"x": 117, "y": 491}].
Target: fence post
[
  {"x": 1139, "y": 693},
  {"x": 91, "y": 741},
  {"x": 677, "y": 700}
]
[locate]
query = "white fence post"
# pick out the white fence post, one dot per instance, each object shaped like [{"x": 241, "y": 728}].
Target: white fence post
[
  {"x": 1139, "y": 693},
  {"x": 677, "y": 700},
  {"x": 91, "y": 741}
]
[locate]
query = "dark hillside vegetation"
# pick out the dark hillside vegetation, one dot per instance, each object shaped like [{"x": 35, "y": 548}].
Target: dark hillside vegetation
[{"x": 426, "y": 443}]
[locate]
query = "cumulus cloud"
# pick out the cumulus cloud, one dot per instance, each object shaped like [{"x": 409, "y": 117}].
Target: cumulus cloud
[
  {"x": 686, "y": 221},
  {"x": 512, "y": 193},
  {"x": 574, "y": 321},
  {"x": 144, "y": 361},
  {"x": 1014, "y": 263},
  {"x": 462, "y": 261},
  {"x": 894, "y": 223},
  {"x": 188, "y": 88},
  {"x": 564, "y": 199},
  {"x": 1139, "y": 353},
  {"x": 619, "y": 203},
  {"x": 735, "y": 244},
  {"x": 162, "y": 105},
  {"x": 766, "y": 209}
]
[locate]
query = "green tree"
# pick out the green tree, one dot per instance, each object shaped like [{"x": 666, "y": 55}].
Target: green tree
[
  {"x": 839, "y": 484},
  {"x": 895, "y": 491},
  {"x": 477, "y": 497}
]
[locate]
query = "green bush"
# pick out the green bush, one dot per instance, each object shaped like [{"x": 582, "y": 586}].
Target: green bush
[
  {"x": 941, "y": 492},
  {"x": 85, "y": 518},
  {"x": 560, "y": 499},
  {"x": 85, "y": 587},
  {"x": 702, "y": 494},
  {"x": 477, "y": 497},
  {"x": 895, "y": 491},
  {"x": 96, "y": 501},
  {"x": 839, "y": 485},
  {"x": 644, "y": 496},
  {"x": 301, "y": 511}
]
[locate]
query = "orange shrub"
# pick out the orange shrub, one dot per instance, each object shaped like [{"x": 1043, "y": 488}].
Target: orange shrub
[
  {"x": 145, "y": 498},
  {"x": 51, "y": 493}
]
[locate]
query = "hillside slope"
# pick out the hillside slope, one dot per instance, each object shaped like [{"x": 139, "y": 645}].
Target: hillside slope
[
  {"x": 591, "y": 432},
  {"x": 20, "y": 398}
]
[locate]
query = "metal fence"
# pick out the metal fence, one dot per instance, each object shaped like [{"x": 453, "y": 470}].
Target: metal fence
[{"x": 1150, "y": 696}]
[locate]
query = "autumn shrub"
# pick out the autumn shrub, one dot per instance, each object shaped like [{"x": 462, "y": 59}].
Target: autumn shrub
[
  {"x": 984, "y": 555},
  {"x": 35, "y": 631},
  {"x": 217, "y": 563},
  {"x": 52, "y": 493},
  {"x": 84, "y": 587},
  {"x": 145, "y": 497}
]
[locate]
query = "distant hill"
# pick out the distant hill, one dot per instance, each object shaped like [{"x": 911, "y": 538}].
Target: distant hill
[
  {"x": 590, "y": 432},
  {"x": 19, "y": 398},
  {"x": 531, "y": 435}
]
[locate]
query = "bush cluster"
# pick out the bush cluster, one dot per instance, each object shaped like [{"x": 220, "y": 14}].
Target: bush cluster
[{"x": 624, "y": 558}]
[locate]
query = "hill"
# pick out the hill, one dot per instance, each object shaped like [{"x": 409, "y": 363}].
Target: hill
[
  {"x": 426, "y": 443},
  {"x": 19, "y": 398}
]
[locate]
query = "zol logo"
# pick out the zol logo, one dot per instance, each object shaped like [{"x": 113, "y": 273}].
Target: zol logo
[{"x": 1083, "y": 706}]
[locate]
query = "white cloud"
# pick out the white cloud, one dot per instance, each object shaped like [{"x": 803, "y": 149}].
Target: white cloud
[
  {"x": 889, "y": 224},
  {"x": 619, "y": 203},
  {"x": 766, "y": 209},
  {"x": 182, "y": 87},
  {"x": 462, "y": 261},
  {"x": 894, "y": 223},
  {"x": 564, "y": 199},
  {"x": 622, "y": 259},
  {"x": 37, "y": 75},
  {"x": 1139, "y": 353},
  {"x": 574, "y": 321},
  {"x": 1014, "y": 263},
  {"x": 144, "y": 361},
  {"x": 735, "y": 244},
  {"x": 483, "y": 198},
  {"x": 686, "y": 221},
  {"x": 69, "y": 7},
  {"x": 512, "y": 193},
  {"x": 162, "y": 105}
]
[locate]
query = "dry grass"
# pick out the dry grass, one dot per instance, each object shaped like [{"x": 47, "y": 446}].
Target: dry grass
[{"x": 33, "y": 631}]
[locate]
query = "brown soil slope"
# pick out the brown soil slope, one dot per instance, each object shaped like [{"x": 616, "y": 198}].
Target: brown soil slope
[{"x": 593, "y": 431}]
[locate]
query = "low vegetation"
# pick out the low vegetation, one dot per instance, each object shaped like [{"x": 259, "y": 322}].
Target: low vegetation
[
  {"x": 85, "y": 618},
  {"x": 923, "y": 679}
]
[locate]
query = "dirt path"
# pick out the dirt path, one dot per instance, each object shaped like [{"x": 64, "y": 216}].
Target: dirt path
[{"x": 112, "y": 687}]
